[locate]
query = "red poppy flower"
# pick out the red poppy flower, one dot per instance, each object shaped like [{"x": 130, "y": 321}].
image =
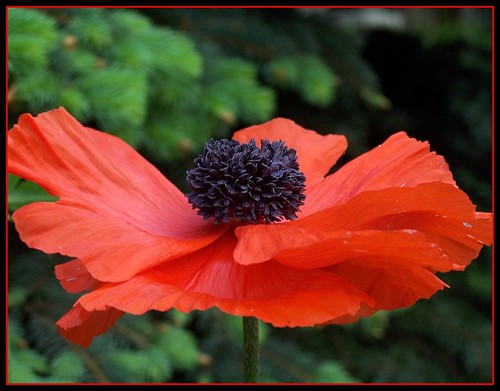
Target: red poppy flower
[{"x": 369, "y": 237}]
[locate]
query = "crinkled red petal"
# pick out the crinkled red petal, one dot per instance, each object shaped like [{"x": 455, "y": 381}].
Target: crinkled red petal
[
  {"x": 74, "y": 277},
  {"x": 110, "y": 249},
  {"x": 400, "y": 161},
  {"x": 81, "y": 326},
  {"x": 391, "y": 285}
]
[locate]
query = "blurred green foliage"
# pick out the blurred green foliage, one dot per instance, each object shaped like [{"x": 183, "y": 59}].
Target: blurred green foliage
[{"x": 166, "y": 80}]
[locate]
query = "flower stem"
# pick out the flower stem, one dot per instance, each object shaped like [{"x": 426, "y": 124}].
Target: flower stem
[{"x": 251, "y": 364}]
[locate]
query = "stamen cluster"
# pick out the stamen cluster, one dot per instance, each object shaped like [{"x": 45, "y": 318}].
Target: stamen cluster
[{"x": 247, "y": 183}]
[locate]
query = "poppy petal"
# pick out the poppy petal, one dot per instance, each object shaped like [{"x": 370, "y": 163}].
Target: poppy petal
[
  {"x": 460, "y": 237},
  {"x": 316, "y": 153},
  {"x": 81, "y": 326},
  {"x": 400, "y": 161},
  {"x": 406, "y": 246},
  {"x": 109, "y": 182},
  {"x": 390, "y": 285},
  {"x": 74, "y": 277},
  {"x": 439, "y": 211},
  {"x": 272, "y": 292},
  {"x": 109, "y": 249}
]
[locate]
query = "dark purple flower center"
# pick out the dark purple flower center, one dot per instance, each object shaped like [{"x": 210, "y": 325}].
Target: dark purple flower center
[{"x": 247, "y": 183}]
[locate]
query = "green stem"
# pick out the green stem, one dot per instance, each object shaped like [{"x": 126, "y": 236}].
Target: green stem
[{"x": 251, "y": 365}]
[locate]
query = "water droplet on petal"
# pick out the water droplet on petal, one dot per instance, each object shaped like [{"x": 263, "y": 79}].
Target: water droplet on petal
[{"x": 468, "y": 225}]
